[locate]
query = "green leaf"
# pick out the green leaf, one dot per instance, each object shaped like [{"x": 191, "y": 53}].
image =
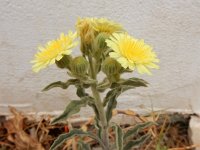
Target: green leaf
[
  {"x": 86, "y": 86},
  {"x": 83, "y": 146},
  {"x": 97, "y": 117},
  {"x": 125, "y": 70},
  {"x": 110, "y": 95},
  {"x": 92, "y": 104},
  {"x": 98, "y": 127},
  {"x": 89, "y": 81},
  {"x": 119, "y": 88},
  {"x": 72, "y": 108},
  {"x": 111, "y": 100},
  {"x": 136, "y": 82},
  {"x": 125, "y": 88},
  {"x": 103, "y": 85},
  {"x": 112, "y": 103},
  {"x": 80, "y": 91},
  {"x": 137, "y": 143},
  {"x": 137, "y": 129},
  {"x": 63, "y": 137},
  {"x": 132, "y": 82},
  {"x": 118, "y": 137},
  {"x": 114, "y": 93},
  {"x": 63, "y": 85}
]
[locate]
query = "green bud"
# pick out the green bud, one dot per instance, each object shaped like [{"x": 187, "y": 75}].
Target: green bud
[
  {"x": 100, "y": 44},
  {"x": 100, "y": 41},
  {"x": 114, "y": 78},
  {"x": 110, "y": 66},
  {"x": 79, "y": 66},
  {"x": 64, "y": 62}
]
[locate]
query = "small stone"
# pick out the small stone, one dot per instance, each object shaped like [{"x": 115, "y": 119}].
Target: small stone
[{"x": 195, "y": 130}]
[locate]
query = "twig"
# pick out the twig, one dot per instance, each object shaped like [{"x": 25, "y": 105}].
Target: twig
[
  {"x": 186, "y": 148},
  {"x": 4, "y": 143}
]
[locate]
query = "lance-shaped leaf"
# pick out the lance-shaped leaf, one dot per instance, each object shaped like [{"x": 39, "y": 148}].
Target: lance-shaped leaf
[
  {"x": 92, "y": 104},
  {"x": 137, "y": 143},
  {"x": 112, "y": 103},
  {"x": 125, "y": 70},
  {"x": 115, "y": 92},
  {"x": 97, "y": 116},
  {"x": 102, "y": 86},
  {"x": 118, "y": 137},
  {"x": 63, "y": 137},
  {"x": 98, "y": 127},
  {"x": 111, "y": 100},
  {"x": 134, "y": 131},
  {"x": 132, "y": 82},
  {"x": 88, "y": 80},
  {"x": 125, "y": 88},
  {"x": 136, "y": 82},
  {"x": 72, "y": 108},
  {"x": 63, "y": 85},
  {"x": 81, "y": 91},
  {"x": 110, "y": 95}
]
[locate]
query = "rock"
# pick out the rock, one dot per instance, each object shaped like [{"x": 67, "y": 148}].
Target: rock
[{"x": 194, "y": 128}]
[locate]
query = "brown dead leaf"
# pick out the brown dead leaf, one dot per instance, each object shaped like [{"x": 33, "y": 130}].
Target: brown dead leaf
[
  {"x": 130, "y": 112},
  {"x": 17, "y": 135},
  {"x": 114, "y": 112}
]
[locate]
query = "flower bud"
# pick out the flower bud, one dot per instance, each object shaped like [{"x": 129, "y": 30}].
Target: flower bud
[
  {"x": 64, "y": 62},
  {"x": 86, "y": 33},
  {"x": 110, "y": 66},
  {"x": 99, "y": 42},
  {"x": 114, "y": 78},
  {"x": 79, "y": 66}
]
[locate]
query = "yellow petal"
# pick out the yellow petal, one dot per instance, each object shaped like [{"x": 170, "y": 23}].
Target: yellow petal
[
  {"x": 54, "y": 50},
  {"x": 142, "y": 69}
]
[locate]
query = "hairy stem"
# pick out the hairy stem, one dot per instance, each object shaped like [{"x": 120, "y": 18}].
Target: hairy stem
[{"x": 99, "y": 105}]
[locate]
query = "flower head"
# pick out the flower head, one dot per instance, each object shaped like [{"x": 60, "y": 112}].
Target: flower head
[
  {"x": 54, "y": 51},
  {"x": 132, "y": 53},
  {"x": 84, "y": 29},
  {"x": 105, "y": 25}
]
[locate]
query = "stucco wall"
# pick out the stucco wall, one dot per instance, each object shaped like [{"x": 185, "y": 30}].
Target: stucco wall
[{"x": 172, "y": 27}]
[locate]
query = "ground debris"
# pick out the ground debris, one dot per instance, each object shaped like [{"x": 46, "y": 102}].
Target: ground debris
[{"x": 25, "y": 132}]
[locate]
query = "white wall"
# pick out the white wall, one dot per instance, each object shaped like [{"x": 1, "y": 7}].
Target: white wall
[{"x": 172, "y": 27}]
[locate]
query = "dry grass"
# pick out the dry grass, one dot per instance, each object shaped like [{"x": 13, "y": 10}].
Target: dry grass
[{"x": 24, "y": 132}]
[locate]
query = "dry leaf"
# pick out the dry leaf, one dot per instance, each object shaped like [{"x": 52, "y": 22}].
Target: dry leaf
[{"x": 18, "y": 136}]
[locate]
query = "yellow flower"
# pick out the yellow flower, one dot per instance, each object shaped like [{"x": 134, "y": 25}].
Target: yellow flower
[
  {"x": 88, "y": 28},
  {"x": 105, "y": 25},
  {"x": 54, "y": 50},
  {"x": 85, "y": 30},
  {"x": 132, "y": 53}
]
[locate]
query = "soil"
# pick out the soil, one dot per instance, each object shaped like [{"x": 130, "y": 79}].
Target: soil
[{"x": 26, "y": 132}]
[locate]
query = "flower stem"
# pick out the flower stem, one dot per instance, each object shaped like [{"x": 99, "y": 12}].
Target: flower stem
[{"x": 99, "y": 105}]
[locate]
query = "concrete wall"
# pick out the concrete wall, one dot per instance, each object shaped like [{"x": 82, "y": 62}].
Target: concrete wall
[{"x": 172, "y": 27}]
